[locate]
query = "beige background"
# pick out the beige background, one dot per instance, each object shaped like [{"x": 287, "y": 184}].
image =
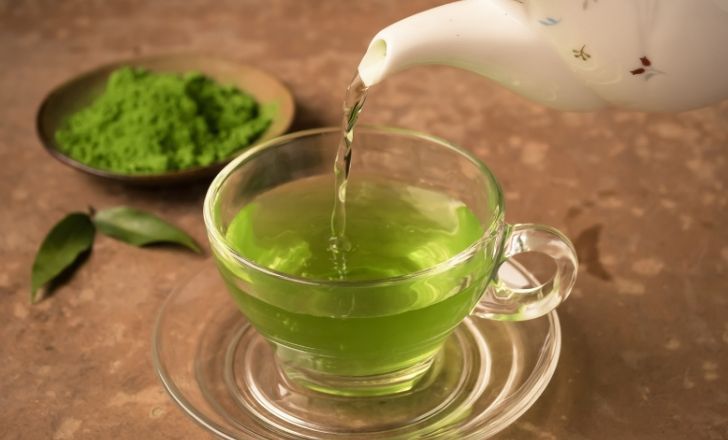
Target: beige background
[{"x": 645, "y": 350}]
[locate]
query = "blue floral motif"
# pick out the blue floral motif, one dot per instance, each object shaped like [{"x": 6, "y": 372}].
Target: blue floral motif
[{"x": 550, "y": 21}]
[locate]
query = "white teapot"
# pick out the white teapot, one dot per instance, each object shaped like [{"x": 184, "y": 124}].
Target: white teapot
[{"x": 649, "y": 55}]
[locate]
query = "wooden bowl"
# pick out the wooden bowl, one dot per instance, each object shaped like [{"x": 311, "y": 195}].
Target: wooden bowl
[{"x": 81, "y": 91}]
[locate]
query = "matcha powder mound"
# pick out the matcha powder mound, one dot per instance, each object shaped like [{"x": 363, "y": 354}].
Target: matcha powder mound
[{"x": 148, "y": 122}]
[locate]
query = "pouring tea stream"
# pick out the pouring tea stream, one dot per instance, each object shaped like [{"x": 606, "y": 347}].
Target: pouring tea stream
[{"x": 645, "y": 55}]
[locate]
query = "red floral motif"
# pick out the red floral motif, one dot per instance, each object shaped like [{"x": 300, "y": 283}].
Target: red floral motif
[
  {"x": 646, "y": 70},
  {"x": 645, "y": 62}
]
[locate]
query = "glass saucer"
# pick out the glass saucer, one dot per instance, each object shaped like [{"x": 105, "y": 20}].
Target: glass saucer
[{"x": 223, "y": 374}]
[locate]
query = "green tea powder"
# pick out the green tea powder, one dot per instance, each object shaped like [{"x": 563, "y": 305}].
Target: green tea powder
[{"x": 148, "y": 122}]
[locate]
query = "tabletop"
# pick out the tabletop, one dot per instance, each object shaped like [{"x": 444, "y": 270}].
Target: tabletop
[{"x": 643, "y": 197}]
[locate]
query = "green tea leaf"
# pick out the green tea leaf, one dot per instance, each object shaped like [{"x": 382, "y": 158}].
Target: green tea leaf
[
  {"x": 140, "y": 228},
  {"x": 68, "y": 239}
]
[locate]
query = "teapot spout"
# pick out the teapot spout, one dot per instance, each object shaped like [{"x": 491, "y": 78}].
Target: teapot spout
[{"x": 488, "y": 37}]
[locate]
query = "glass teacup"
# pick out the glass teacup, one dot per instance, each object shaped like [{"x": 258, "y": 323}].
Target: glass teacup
[{"x": 369, "y": 334}]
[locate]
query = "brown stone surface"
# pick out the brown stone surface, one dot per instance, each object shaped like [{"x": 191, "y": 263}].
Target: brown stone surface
[{"x": 645, "y": 351}]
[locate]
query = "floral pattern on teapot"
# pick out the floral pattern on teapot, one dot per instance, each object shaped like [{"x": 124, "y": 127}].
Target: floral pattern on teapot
[
  {"x": 632, "y": 52},
  {"x": 648, "y": 55},
  {"x": 645, "y": 71}
]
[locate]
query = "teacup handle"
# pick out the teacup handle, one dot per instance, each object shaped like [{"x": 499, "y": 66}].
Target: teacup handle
[{"x": 509, "y": 303}]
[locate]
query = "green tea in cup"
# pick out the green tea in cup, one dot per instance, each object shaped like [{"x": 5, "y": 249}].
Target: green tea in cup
[{"x": 424, "y": 237}]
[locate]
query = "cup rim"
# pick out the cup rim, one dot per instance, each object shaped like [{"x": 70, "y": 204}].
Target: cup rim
[{"x": 216, "y": 237}]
